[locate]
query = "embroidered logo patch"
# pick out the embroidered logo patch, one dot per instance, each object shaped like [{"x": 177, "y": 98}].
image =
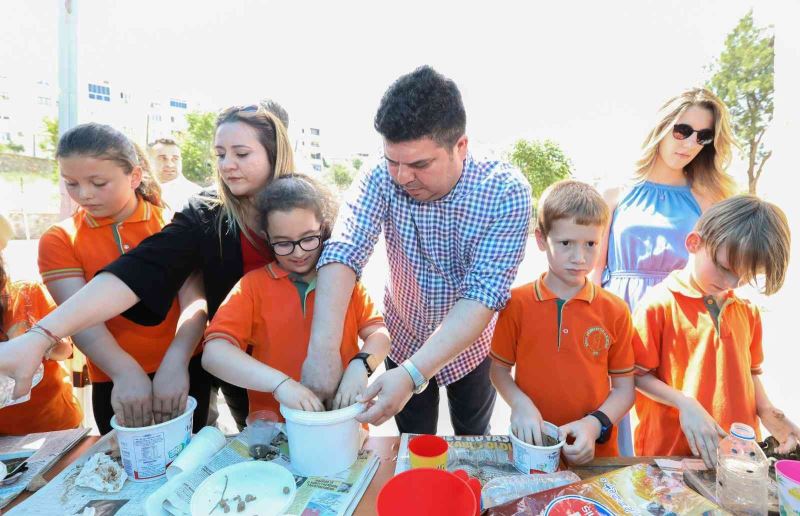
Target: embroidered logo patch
[{"x": 596, "y": 340}]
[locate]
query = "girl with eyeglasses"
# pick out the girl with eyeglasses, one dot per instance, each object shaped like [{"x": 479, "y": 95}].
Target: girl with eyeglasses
[
  {"x": 682, "y": 172},
  {"x": 271, "y": 308},
  {"x": 217, "y": 233}
]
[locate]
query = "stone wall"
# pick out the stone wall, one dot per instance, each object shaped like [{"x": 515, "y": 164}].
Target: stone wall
[
  {"x": 16, "y": 163},
  {"x": 37, "y": 223}
]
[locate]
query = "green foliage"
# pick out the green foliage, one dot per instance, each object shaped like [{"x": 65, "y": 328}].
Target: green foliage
[
  {"x": 744, "y": 78},
  {"x": 12, "y": 148},
  {"x": 357, "y": 162},
  {"x": 50, "y": 144},
  {"x": 341, "y": 176},
  {"x": 542, "y": 164},
  {"x": 196, "y": 148}
]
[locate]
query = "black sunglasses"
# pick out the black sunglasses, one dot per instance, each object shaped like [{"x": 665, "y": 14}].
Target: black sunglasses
[{"x": 683, "y": 131}]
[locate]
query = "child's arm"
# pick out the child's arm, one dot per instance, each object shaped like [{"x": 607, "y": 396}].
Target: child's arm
[
  {"x": 131, "y": 396},
  {"x": 62, "y": 351},
  {"x": 774, "y": 420},
  {"x": 700, "y": 429},
  {"x": 587, "y": 429},
  {"x": 354, "y": 380},
  {"x": 171, "y": 382},
  {"x": 526, "y": 421},
  {"x": 228, "y": 362}
]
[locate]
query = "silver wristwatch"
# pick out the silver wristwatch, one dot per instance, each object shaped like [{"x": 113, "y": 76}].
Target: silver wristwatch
[{"x": 420, "y": 383}]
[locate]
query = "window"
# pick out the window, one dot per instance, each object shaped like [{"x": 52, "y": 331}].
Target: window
[
  {"x": 4, "y": 95},
  {"x": 5, "y": 137},
  {"x": 317, "y": 155},
  {"x": 97, "y": 92},
  {"x": 315, "y": 132},
  {"x": 43, "y": 101},
  {"x": 315, "y": 144},
  {"x": 180, "y": 104},
  {"x": 317, "y": 168}
]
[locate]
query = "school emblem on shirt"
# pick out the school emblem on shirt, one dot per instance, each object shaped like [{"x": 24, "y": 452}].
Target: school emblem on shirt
[{"x": 596, "y": 340}]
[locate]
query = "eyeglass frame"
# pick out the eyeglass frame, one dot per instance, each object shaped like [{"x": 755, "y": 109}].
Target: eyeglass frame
[
  {"x": 295, "y": 244},
  {"x": 704, "y": 141}
]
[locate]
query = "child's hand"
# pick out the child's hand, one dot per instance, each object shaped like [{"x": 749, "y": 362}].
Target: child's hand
[
  {"x": 782, "y": 429},
  {"x": 585, "y": 432},
  {"x": 170, "y": 390},
  {"x": 354, "y": 383},
  {"x": 700, "y": 429},
  {"x": 132, "y": 398},
  {"x": 295, "y": 395},
  {"x": 526, "y": 421},
  {"x": 19, "y": 359}
]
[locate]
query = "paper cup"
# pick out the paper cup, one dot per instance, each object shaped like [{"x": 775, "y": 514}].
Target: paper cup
[
  {"x": 205, "y": 443},
  {"x": 529, "y": 458},
  {"x": 788, "y": 476},
  {"x": 428, "y": 451},
  {"x": 148, "y": 451}
]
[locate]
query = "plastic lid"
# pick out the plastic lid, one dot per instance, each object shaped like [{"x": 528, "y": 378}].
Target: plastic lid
[{"x": 743, "y": 431}]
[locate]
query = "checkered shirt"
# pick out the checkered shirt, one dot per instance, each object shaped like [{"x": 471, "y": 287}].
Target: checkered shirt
[{"x": 466, "y": 245}]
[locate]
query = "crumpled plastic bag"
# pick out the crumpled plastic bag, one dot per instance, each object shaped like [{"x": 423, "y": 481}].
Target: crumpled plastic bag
[{"x": 504, "y": 489}]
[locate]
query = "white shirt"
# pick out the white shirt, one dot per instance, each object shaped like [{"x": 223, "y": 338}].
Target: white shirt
[{"x": 176, "y": 193}]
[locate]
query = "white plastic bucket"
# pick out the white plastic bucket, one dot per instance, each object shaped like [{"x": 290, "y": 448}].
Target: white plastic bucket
[
  {"x": 322, "y": 443},
  {"x": 529, "y": 458},
  {"x": 148, "y": 451}
]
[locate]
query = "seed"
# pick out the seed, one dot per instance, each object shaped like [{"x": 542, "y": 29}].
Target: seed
[
  {"x": 249, "y": 498},
  {"x": 286, "y": 490}
]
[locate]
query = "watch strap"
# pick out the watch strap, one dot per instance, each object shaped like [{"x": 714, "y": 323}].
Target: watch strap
[
  {"x": 364, "y": 357},
  {"x": 605, "y": 426},
  {"x": 416, "y": 375}
]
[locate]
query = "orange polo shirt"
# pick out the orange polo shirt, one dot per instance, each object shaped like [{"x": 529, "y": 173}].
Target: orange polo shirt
[
  {"x": 564, "y": 360},
  {"x": 678, "y": 341},
  {"x": 78, "y": 247},
  {"x": 264, "y": 310},
  {"x": 52, "y": 405}
]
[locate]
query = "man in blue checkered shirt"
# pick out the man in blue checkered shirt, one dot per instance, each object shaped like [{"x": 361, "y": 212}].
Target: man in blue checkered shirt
[{"x": 455, "y": 233}]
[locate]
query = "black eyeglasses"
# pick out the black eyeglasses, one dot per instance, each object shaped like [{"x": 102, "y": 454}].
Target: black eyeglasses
[
  {"x": 683, "y": 131},
  {"x": 286, "y": 247}
]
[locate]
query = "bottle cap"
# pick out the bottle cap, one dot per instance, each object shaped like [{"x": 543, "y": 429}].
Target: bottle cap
[{"x": 743, "y": 431}]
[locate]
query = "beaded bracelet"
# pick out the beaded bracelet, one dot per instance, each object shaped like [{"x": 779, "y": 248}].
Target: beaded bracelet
[{"x": 54, "y": 340}]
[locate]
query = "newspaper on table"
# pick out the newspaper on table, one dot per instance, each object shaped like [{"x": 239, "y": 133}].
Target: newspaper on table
[
  {"x": 323, "y": 496},
  {"x": 42, "y": 449},
  {"x": 62, "y": 496},
  {"x": 328, "y": 496},
  {"x": 481, "y": 456}
]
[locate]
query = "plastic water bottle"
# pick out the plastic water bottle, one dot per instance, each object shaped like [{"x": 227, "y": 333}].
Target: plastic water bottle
[
  {"x": 7, "y": 388},
  {"x": 742, "y": 473}
]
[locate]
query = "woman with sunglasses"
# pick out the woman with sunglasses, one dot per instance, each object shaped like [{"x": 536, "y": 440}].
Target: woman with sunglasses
[
  {"x": 680, "y": 174},
  {"x": 217, "y": 232}
]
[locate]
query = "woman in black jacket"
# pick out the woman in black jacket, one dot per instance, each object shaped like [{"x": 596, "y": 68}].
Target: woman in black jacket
[{"x": 216, "y": 233}]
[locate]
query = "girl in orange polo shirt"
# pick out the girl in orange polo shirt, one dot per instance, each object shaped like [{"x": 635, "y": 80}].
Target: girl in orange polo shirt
[
  {"x": 51, "y": 405},
  {"x": 139, "y": 373},
  {"x": 270, "y": 309}
]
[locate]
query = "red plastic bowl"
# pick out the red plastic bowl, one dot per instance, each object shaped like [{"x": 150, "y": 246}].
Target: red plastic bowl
[{"x": 426, "y": 492}]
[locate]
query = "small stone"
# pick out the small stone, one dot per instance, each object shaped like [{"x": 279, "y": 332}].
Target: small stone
[{"x": 286, "y": 490}]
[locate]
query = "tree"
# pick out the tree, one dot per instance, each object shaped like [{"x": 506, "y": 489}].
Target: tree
[
  {"x": 50, "y": 143},
  {"x": 196, "y": 144},
  {"x": 744, "y": 78},
  {"x": 542, "y": 163},
  {"x": 341, "y": 176},
  {"x": 357, "y": 162}
]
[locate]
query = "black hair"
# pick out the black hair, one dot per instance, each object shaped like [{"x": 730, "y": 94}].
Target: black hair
[
  {"x": 423, "y": 103},
  {"x": 292, "y": 191}
]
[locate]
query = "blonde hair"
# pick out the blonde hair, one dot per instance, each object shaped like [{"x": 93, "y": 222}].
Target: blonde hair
[
  {"x": 570, "y": 199},
  {"x": 707, "y": 171},
  {"x": 273, "y": 137},
  {"x": 755, "y": 234}
]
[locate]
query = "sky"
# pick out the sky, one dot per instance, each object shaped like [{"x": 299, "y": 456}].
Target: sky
[{"x": 589, "y": 75}]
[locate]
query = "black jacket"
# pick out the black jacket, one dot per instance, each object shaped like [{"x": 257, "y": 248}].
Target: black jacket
[{"x": 157, "y": 268}]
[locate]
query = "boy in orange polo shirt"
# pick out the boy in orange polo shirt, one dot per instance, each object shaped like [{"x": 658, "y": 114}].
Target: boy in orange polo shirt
[
  {"x": 698, "y": 351},
  {"x": 565, "y": 335},
  {"x": 270, "y": 309}
]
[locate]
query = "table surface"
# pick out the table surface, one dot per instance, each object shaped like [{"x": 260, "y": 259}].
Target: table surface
[{"x": 385, "y": 447}]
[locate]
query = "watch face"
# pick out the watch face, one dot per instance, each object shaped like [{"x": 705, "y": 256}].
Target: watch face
[{"x": 421, "y": 388}]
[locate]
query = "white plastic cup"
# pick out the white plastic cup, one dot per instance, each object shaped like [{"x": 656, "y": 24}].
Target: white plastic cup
[
  {"x": 147, "y": 452},
  {"x": 323, "y": 443},
  {"x": 204, "y": 444},
  {"x": 788, "y": 476},
  {"x": 529, "y": 458}
]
